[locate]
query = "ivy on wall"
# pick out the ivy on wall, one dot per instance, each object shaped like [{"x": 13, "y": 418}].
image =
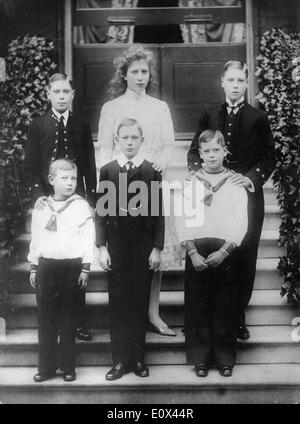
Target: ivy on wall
[
  {"x": 29, "y": 63},
  {"x": 280, "y": 96}
]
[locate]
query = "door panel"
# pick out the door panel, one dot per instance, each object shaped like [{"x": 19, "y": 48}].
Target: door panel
[
  {"x": 191, "y": 79},
  {"x": 188, "y": 74}
]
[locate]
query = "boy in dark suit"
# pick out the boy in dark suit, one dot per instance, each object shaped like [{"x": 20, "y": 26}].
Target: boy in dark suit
[
  {"x": 130, "y": 239},
  {"x": 61, "y": 135},
  {"x": 250, "y": 144}
]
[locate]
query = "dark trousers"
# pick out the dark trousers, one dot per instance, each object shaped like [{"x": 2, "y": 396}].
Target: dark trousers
[
  {"x": 210, "y": 309},
  {"x": 57, "y": 292},
  {"x": 129, "y": 285},
  {"x": 247, "y": 253}
]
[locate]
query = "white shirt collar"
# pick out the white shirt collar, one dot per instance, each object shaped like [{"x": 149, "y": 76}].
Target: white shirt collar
[
  {"x": 65, "y": 115},
  {"x": 137, "y": 160},
  {"x": 229, "y": 102}
]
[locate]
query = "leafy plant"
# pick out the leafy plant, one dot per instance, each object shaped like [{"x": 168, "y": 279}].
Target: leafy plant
[
  {"x": 280, "y": 96},
  {"x": 29, "y": 63}
]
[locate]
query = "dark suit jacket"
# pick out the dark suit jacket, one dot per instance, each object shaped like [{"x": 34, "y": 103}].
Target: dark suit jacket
[
  {"x": 111, "y": 172},
  {"x": 39, "y": 151},
  {"x": 253, "y": 138}
]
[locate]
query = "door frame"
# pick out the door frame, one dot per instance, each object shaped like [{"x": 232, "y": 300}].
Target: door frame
[{"x": 250, "y": 44}]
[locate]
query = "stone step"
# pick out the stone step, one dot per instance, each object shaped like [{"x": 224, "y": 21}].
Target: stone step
[
  {"x": 272, "y": 218},
  {"x": 266, "y": 308},
  {"x": 268, "y": 344},
  {"x": 268, "y": 247},
  {"x": 176, "y": 384},
  {"x": 267, "y": 278}
]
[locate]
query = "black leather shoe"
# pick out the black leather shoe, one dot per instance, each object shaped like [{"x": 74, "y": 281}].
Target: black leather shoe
[
  {"x": 201, "y": 370},
  {"x": 243, "y": 332},
  {"x": 69, "y": 376},
  {"x": 140, "y": 369},
  {"x": 117, "y": 371},
  {"x": 225, "y": 371},
  {"x": 40, "y": 377},
  {"x": 83, "y": 334}
]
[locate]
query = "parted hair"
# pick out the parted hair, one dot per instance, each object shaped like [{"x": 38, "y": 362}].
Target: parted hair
[
  {"x": 59, "y": 77},
  {"x": 129, "y": 122},
  {"x": 61, "y": 165},
  {"x": 208, "y": 135},
  {"x": 236, "y": 64}
]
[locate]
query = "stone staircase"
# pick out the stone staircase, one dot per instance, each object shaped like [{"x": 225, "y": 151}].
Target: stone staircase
[{"x": 268, "y": 364}]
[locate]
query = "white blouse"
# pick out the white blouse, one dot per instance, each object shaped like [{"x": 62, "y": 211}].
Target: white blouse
[{"x": 154, "y": 117}]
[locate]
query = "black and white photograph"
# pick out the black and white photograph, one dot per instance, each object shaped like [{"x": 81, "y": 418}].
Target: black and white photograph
[{"x": 149, "y": 204}]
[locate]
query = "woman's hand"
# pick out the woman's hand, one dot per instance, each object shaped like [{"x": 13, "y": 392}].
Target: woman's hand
[
  {"x": 159, "y": 165},
  {"x": 104, "y": 258},
  {"x": 199, "y": 262},
  {"x": 154, "y": 259},
  {"x": 215, "y": 259}
]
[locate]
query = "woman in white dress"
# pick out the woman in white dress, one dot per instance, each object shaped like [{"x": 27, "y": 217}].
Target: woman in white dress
[{"x": 133, "y": 77}]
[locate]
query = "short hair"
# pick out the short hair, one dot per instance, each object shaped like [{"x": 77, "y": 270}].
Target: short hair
[
  {"x": 60, "y": 77},
  {"x": 236, "y": 64},
  {"x": 209, "y": 135},
  {"x": 61, "y": 165},
  {"x": 129, "y": 122}
]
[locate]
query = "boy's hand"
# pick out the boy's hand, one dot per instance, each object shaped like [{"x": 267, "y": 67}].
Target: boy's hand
[
  {"x": 40, "y": 203},
  {"x": 215, "y": 259},
  {"x": 32, "y": 279},
  {"x": 199, "y": 262},
  {"x": 83, "y": 280},
  {"x": 240, "y": 180},
  {"x": 104, "y": 258},
  {"x": 154, "y": 259}
]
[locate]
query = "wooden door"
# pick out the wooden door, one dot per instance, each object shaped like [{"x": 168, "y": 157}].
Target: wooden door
[{"x": 189, "y": 73}]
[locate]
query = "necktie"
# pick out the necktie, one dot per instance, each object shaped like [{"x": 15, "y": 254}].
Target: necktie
[
  {"x": 61, "y": 143},
  {"x": 129, "y": 167}
]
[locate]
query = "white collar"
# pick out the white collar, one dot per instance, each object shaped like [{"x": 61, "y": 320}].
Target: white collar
[
  {"x": 230, "y": 104},
  {"x": 137, "y": 160},
  {"x": 65, "y": 115},
  {"x": 130, "y": 94}
]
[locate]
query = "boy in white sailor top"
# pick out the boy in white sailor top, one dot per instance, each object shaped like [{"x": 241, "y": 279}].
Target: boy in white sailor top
[
  {"x": 210, "y": 274},
  {"x": 61, "y": 252},
  {"x": 130, "y": 241},
  {"x": 60, "y": 134},
  {"x": 251, "y": 155}
]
